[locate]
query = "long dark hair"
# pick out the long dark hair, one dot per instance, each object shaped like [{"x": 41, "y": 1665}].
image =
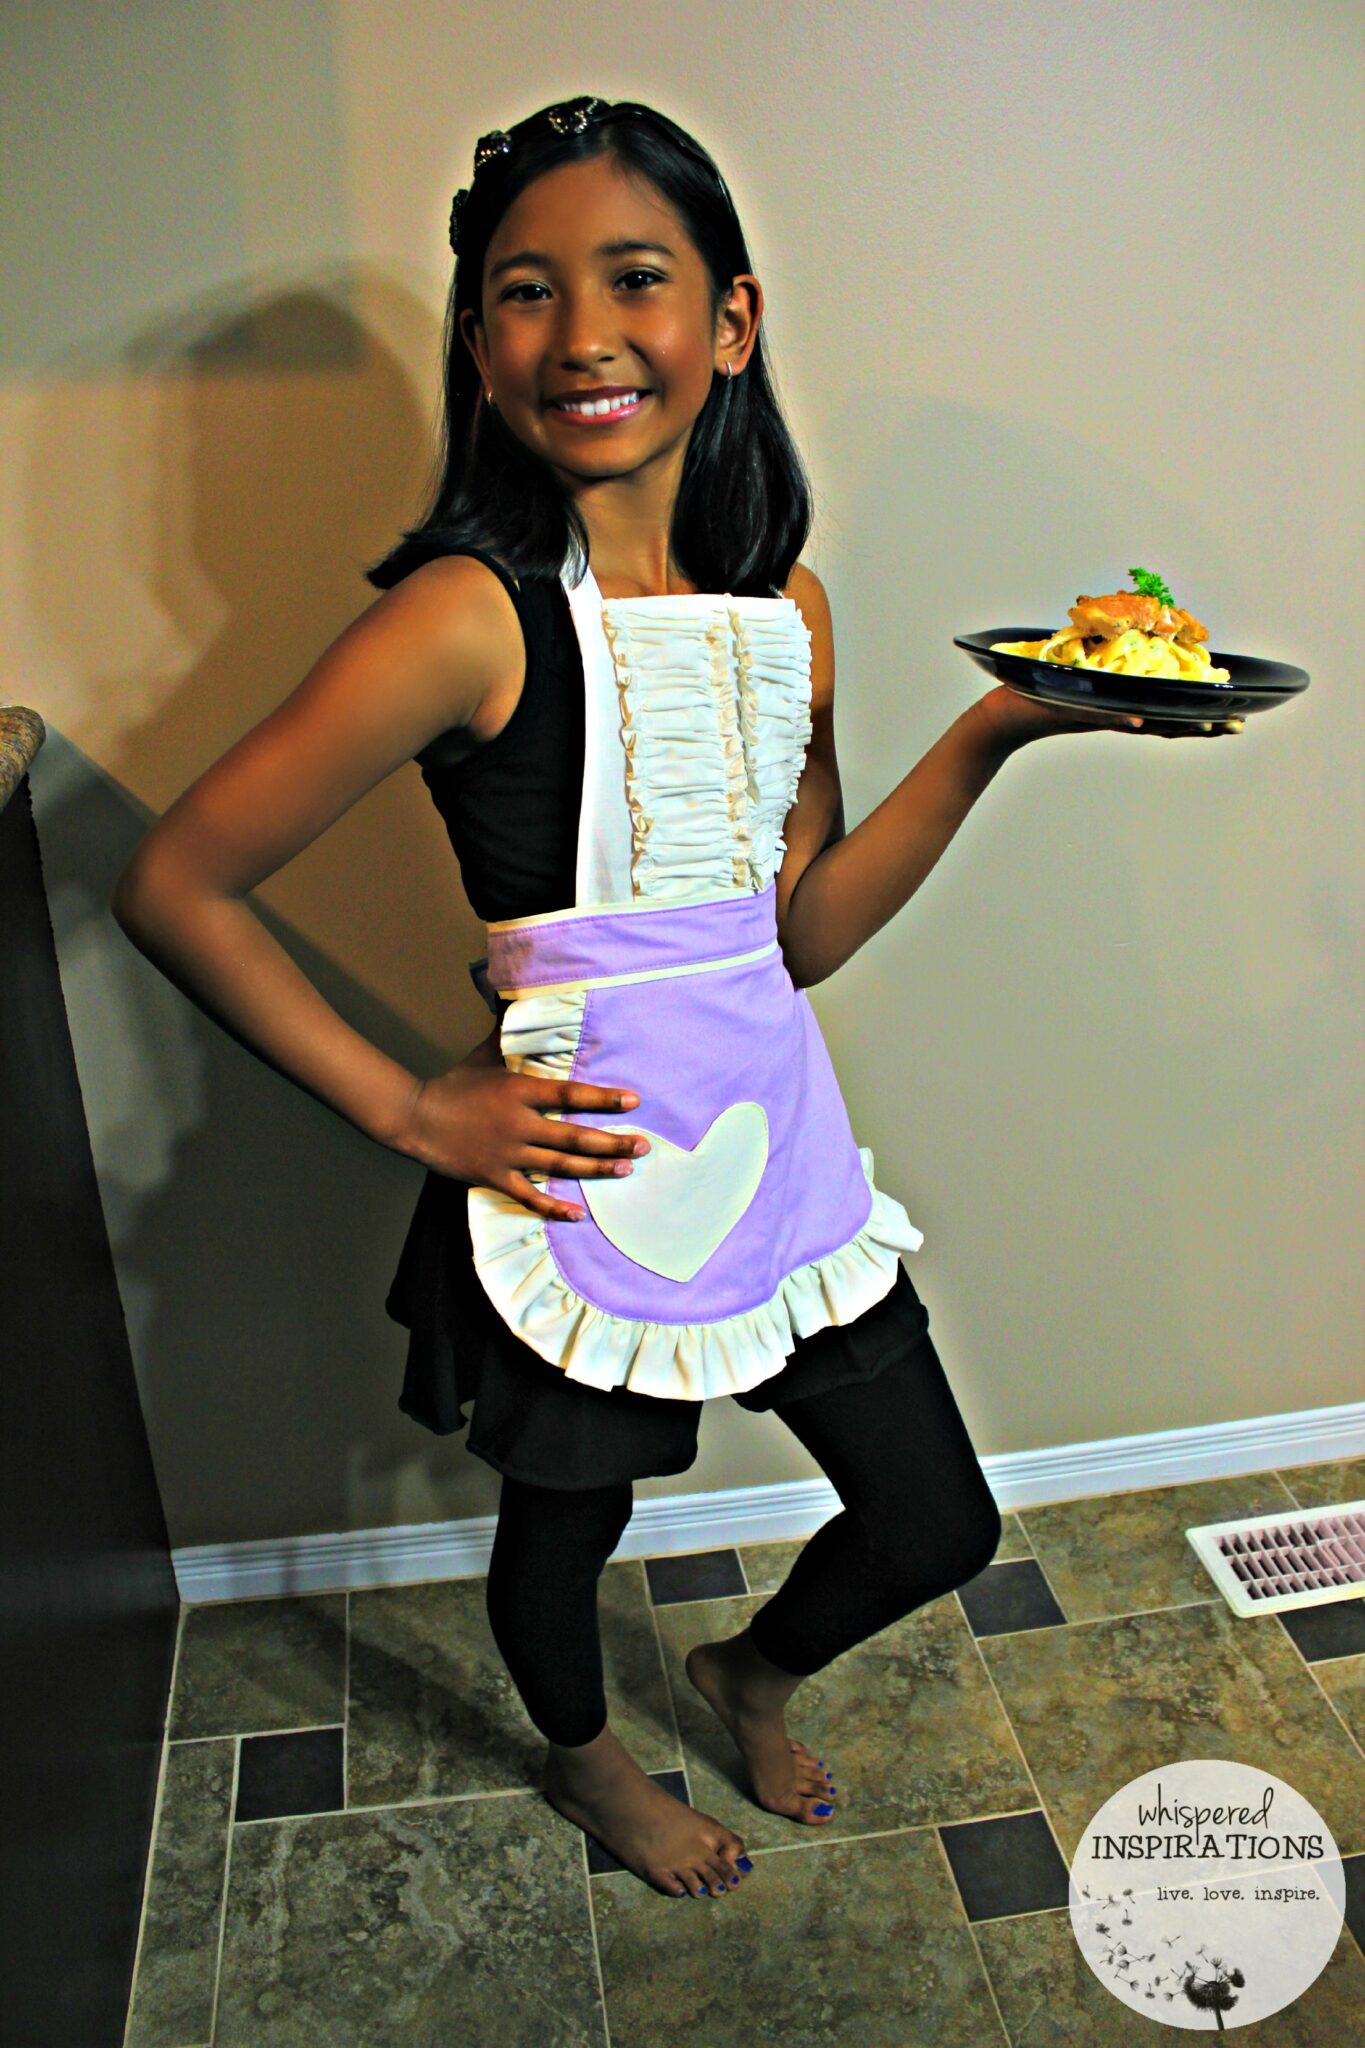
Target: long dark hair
[{"x": 743, "y": 509}]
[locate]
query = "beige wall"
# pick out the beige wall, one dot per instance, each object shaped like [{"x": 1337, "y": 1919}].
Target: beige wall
[{"x": 1053, "y": 289}]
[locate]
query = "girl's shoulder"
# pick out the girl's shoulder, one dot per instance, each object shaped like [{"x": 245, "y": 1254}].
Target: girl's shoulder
[{"x": 807, "y": 593}]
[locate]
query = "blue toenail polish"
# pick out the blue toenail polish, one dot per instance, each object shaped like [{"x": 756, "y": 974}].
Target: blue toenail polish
[
  {"x": 743, "y": 1863},
  {"x": 824, "y": 1809}
]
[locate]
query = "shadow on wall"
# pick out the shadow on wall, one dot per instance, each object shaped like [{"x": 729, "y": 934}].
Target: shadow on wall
[{"x": 255, "y": 1232}]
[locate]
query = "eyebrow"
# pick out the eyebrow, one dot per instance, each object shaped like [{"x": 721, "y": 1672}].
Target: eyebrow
[{"x": 539, "y": 258}]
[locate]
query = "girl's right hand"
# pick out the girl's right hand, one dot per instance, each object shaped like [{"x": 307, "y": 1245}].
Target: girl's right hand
[{"x": 483, "y": 1124}]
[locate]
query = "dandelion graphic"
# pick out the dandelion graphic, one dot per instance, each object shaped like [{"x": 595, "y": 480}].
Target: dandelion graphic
[
  {"x": 1208, "y": 1985},
  {"x": 1213, "y": 1993}
]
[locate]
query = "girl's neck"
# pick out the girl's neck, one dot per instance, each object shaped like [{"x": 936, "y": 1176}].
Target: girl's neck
[{"x": 629, "y": 547}]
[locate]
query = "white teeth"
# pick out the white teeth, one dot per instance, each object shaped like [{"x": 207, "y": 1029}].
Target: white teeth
[{"x": 600, "y": 405}]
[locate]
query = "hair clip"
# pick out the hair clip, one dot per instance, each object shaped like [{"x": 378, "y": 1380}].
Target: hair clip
[
  {"x": 571, "y": 117},
  {"x": 496, "y": 143},
  {"x": 457, "y": 207}
]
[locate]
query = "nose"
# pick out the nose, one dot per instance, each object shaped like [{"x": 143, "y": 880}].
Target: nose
[{"x": 586, "y": 335}]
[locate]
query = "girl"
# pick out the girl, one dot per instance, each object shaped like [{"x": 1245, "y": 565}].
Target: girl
[{"x": 618, "y": 680}]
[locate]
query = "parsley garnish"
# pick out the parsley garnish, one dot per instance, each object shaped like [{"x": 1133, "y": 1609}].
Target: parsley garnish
[{"x": 1149, "y": 584}]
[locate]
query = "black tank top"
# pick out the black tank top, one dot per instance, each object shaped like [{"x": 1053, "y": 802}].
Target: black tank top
[{"x": 511, "y": 808}]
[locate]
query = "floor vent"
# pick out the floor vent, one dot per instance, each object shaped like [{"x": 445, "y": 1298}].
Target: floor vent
[{"x": 1277, "y": 1561}]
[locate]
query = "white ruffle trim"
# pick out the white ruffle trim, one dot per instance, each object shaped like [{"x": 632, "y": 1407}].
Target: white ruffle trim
[
  {"x": 715, "y": 722},
  {"x": 678, "y": 1361}
]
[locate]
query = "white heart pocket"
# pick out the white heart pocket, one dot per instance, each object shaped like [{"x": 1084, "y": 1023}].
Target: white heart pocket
[{"x": 672, "y": 1212}]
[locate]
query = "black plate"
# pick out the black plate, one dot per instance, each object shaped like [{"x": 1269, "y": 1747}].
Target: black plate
[{"x": 1254, "y": 684}]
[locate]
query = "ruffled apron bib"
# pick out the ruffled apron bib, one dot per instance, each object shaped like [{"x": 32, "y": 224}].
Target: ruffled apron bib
[{"x": 753, "y": 1220}]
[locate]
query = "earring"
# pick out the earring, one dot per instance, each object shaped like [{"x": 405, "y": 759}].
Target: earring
[
  {"x": 491, "y": 401},
  {"x": 729, "y": 370}
]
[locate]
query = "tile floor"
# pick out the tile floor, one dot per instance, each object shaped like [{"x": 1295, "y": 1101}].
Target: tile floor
[{"x": 352, "y": 1850}]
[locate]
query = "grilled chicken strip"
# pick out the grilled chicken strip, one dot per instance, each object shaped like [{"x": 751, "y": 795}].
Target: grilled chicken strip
[{"x": 1103, "y": 618}]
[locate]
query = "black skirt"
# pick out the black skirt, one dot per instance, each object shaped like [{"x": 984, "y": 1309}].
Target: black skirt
[{"x": 532, "y": 1422}]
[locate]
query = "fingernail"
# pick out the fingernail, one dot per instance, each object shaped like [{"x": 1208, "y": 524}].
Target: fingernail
[
  {"x": 627, "y": 1101},
  {"x": 623, "y": 1166}
]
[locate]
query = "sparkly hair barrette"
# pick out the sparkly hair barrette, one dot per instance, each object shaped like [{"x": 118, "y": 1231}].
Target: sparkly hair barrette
[
  {"x": 575, "y": 117},
  {"x": 570, "y": 117}
]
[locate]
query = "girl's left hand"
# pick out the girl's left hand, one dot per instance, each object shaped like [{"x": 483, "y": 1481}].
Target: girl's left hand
[{"x": 1016, "y": 718}]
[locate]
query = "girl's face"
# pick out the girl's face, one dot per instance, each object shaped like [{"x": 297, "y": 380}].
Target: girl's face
[{"x": 592, "y": 289}]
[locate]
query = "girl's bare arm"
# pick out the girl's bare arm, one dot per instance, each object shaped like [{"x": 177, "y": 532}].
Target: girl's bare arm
[
  {"x": 835, "y": 890},
  {"x": 419, "y": 660}
]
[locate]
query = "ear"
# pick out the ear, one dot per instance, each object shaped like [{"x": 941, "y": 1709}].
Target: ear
[
  {"x": 737, "y": 323},
  {"x": 472, "y": 334}
]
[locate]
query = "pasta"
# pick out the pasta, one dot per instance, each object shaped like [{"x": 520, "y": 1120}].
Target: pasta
[{"x": 1129, "y": 632}]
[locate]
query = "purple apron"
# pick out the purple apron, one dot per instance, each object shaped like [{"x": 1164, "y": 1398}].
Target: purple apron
[{"x": 753, "y": 1219}]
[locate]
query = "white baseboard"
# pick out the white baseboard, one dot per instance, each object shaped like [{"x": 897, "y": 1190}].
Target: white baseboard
[{"x": 668, "y": 1524}]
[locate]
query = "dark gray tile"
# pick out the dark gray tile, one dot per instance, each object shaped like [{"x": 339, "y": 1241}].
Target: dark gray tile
[
  {"x": 701, "y": 1575},
  {"x": 281, "y": 1774},
  {"x": 1354, "y": 1868},
  {"x": 1007, "y": 1865},
  {"x": 601, "y": 1862},
  {"x": 1006, "y": 1597},
  {"x": 1336, "y": 1629}
]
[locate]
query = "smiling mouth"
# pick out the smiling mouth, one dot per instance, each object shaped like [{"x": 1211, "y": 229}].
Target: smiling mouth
[{"x": 592, "y": 411}]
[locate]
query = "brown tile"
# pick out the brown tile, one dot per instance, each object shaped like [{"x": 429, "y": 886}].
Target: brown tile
[
  {"x": 252, "y": 1667},
  {"x": 1014, "y": 1543},
  {"x": 1099, "y": 1704},
  {"x": 177, "y": 1965},
  {"x": 1343, "y": 1681},
  {"x": 766, "y": 1564},
  {"x": 907, "y": 1722},
  {"x": 1322, "y": 1486},
  {"x": 1123, "y": 1553},
  {"x": 821, "y": 1947},
  {"x": 1049, "y": 1994},
  {"x": 459, "y": 1921},
  {"x": 434, "y": 1710}
]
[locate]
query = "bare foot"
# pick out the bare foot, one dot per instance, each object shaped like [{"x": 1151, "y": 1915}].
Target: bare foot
[
  {"x": 599, "y": 1786},
  {"x": 786, "y": 1778}
]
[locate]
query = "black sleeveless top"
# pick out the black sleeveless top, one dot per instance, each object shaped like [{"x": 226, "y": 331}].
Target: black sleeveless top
[
  {"x": 511, "y": 811},
  {"x": 511, "y": 807}
]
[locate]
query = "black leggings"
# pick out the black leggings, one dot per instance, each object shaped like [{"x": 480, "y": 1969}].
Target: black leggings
[{"x": 917, "y": 1520}]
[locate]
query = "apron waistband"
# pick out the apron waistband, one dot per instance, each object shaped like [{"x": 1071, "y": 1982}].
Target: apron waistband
[{"x": 628, "y": 942}]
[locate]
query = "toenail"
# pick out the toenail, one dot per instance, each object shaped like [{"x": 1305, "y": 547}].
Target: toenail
[
  {"x": 743, "y": 1863},
  {"x": 824, "y": 1809}
]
